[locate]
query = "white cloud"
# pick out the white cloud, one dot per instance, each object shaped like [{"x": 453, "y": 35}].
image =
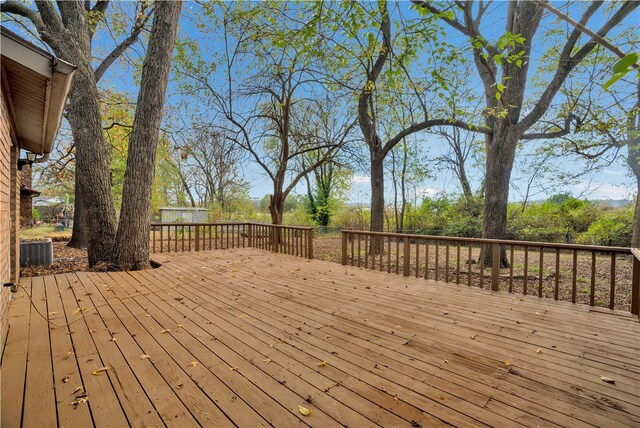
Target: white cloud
[
  {"x": 360, "y": 179},
  {"x": 428, "y": 192},
  {"x": 603, "y": 191},
  {"x": 608, "y": 171}
]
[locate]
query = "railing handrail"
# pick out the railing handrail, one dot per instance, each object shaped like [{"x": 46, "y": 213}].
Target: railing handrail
[
  {"x": 636, "y": 252},
  {"x": 580, "y": 247},
  {"x": 225, "y": 223}
]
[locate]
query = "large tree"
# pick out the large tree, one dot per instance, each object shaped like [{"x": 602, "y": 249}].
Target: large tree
[
  {"x": 131, "y": 250},
  {"x": 503, "y": 67},
  {"x": 377, "y": 59},
  {"x": 68, "y": 28},
  {"x": 265, "y": 76}
]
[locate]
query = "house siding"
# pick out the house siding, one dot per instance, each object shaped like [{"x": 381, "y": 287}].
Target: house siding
[{"x": 9, "y": 215}]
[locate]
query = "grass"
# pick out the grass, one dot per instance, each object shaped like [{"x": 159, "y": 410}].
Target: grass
[{"x": 42, "y": 232}]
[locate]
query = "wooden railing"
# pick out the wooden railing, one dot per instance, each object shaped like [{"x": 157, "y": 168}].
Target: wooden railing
[
  {"x": 174, "y": 237},
  {"x": 594, "y": 275}
]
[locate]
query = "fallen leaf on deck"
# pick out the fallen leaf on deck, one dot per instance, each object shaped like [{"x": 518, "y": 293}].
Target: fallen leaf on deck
[
  {"x": 179, "y": 298},
  {"x": 79, "y": 400},
  {"x": 52, "y": 313},
  {"x": 148, "y": 316},
  {"x": 539, "y": 351},
  {"x": 304, "y": 410},
  {"x": 607, "y": 379},
  {"x": 97, "y": 372},
  {"x": 113, "y": 339},
  {"x": 398, "y": 326},
  {"x": 233, "y": 369},
  {"x": 322, "y": 363},
  {"x": 78, "y": 389},
  {"x": 446, "y": 361},
  {"x": 243, "y": 316},
  {"x": 69, "y": 353},
  {"x": 77, "y": 311},
  {"x": 507, "y": 362},
  {"x": 65, "y": 379},
  {"x": 179, "y": 386},
  {"x": 144, "y": 356},
  {"x": 268, "y": 360},
  {"x": 179, "y": 326},
  {"x": 193, "y": 363},
  {"x": 445, "y": 312},
  {"x": 166, "y": 330}
]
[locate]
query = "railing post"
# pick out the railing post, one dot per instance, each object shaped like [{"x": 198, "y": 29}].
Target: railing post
[
  {"x": 407, "y": 255},
  {"x": 344, "y": 247},
  {"x": 635, "y": 282},
  {"x": 250, "y": 235},
  {"x": 310, "y": 243},
  {"x": 495, "y": 268},
  {"x": 197, "y": 237}
]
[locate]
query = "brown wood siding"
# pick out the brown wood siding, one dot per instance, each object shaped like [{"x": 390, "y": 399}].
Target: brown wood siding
[{"x": 6, "y": 171}]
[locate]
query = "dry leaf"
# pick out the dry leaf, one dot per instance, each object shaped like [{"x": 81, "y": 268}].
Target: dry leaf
[
  {"x": 193, "y": 363},
  {"x": 77, "y": 310},
  {"x": 52, "y": 313},
  {"x": 233, "y": 369},
  {"x": 166, "y": 330},
  {"x": 78, "y": 389},
  {"x": 398, "y": 326},
  {"x": 148, "y": 316},
  {"x": 322, "y": 363},
  {"x": 179, "y": 386},
  {"x": 144, "y": 356},
  {"x": 69, "y": 353},
  {"x": 304, "y": 410},
  {"x": 97, "y": 372},
  {"x": 607, "y": 379},
  {"x": 507, "y": 362},
  {"x": 446, "y": 361},
  {"x": 179, "y": 298},
  {"x": 268, "y": 360},
  {"x": 79, "y": 400},
  {"x": 244, "y": 316},
  {"x": 65, "y": 379},
  {"x": 113, "y": 339},
  {"x": 539, "y": 351},
  {"x": 179, "y": 326},
  {"x": 445, "y": 312}
]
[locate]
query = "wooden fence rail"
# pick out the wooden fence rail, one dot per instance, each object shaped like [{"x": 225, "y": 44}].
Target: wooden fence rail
[
  {"x": 594, "y": 275},
  {"x": 174, "y": 237}
]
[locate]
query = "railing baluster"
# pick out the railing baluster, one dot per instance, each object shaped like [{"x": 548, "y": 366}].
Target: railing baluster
[
  {"x": 511, "y": 269},
  {"x": 592, "y": 295},
  {"x": 457, "y": 262},
  {"x": 469, "y": 264},
  {"x": 541, "y": 272},
  {"x": 388, "y": 254},
  {"x": 612, "y": 292},
  {"x": 575, "y": 276},
  {"x": 526, "y": 270},
  {"x": 426, "y": 259},
  {"x": 366, "y": 251},
  {"x": 417, "y": 258},
  {"x": 397, "y": 255},
  {"x": 359, "y": 249},
  {"x": 446, "y": 263},
  {"x": 481, "y": 263},
  {"x": 161, "y": 239},
  {"x": 437, "y": 257},
  {"x": 556, "y": 285}
]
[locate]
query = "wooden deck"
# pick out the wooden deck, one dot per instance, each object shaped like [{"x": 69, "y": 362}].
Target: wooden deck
[{"x": 243, "y": 337}]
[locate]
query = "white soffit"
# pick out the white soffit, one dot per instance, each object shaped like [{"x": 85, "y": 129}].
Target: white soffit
[{"x": 38, "y": 85}]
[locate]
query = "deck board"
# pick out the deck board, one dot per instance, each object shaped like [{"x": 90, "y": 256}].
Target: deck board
[{"x": 258, "y": 325}]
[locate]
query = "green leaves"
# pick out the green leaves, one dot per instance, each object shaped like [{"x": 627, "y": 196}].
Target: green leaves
[{"x": 620, "y": 69}]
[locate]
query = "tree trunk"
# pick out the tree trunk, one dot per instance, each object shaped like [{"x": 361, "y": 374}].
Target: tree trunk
[
  {"x": 93, "y": 183},
  {"x": 79, "y": 234},
  {"x": 131, "y": 251},
  {"x": 501, "y": 149},
  {"x": 377, "y": 199},
  {"x": 276, "y": 207}
]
